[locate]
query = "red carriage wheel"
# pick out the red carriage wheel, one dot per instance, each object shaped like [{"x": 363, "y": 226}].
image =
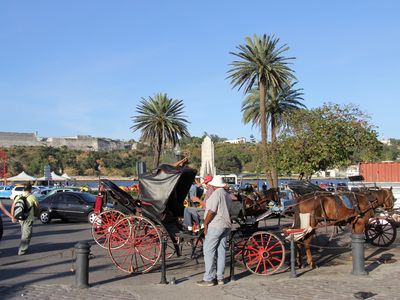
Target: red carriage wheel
[
  {"x": 380, "y": 232},
  {"x": 239, "y": 241},
  {"x": 101, "y": 227},
  {"x": 263, "y": 253},
  {"x": 141, "y": 244}
]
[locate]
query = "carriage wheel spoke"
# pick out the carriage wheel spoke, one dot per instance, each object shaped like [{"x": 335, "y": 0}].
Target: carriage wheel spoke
[
  {"x": 258, "y": 265},
  {"x": 273, "y": 246}
]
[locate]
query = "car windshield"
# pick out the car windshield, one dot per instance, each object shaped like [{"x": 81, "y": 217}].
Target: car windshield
[{"x": 89, "y": 197}]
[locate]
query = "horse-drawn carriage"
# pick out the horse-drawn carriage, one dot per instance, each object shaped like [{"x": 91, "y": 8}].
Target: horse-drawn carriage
[
  {"x": 360, "y": 209},
  {"x": 133, "y": 229}
]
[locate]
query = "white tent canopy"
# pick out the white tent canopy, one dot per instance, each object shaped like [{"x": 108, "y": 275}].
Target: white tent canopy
[
  {"x": 66, "y": 176},
  {"x": 22, "y": 177},
  {"x": 54, "y": 177}
]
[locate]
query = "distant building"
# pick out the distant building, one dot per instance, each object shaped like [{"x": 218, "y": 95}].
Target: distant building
[
  {"x": 241, "y": 140},
  {"x": 9, "y": 139},
  {"x": 80, "y": 142}
]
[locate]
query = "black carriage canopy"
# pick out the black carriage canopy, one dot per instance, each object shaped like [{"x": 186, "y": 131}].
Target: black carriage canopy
[
  {"x": 303, "y": 187},
  {"x": 166, "y": 187},
  {"x": 123, "y": 198}
]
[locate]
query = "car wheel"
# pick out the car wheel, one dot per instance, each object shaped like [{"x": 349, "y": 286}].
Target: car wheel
[
  {"x": 92, "y": 216},
  {"x": 44, "y": 217}
]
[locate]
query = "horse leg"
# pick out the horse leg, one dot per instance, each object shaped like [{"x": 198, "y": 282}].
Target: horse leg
[{"x": 307, "y": 243}]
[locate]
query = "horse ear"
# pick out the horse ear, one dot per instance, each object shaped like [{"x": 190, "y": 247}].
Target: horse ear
[{"x": 391, "y": 188}]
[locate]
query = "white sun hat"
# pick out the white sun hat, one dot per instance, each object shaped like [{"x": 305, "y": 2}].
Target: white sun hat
[{"x": 217, "y": 181}]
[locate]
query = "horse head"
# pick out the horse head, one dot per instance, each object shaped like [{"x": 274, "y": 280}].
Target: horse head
[
  {"x": 388, "y": 200},
  {"x": 384, "y": 197}
]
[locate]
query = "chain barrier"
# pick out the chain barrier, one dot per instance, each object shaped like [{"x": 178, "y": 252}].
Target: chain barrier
[{"x": 61, "y": 254}]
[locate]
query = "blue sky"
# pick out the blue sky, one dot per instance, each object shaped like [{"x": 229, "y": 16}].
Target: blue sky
[{"x": 81, "y": 67}]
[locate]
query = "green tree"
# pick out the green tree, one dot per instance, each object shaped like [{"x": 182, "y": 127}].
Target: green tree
[
  {"x": 262, "y": 66},
  {"x": 327, "y": 137},
  {"x": 161, "y": 122}
]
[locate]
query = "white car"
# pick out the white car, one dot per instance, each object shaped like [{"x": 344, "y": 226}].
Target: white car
[{"x": 19, "y": 189}]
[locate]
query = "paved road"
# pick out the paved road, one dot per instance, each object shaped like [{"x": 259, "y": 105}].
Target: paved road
[{"x": 46, "y": 273}]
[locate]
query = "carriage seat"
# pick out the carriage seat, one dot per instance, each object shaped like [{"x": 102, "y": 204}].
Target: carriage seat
[{"x": 305, "y": 227}]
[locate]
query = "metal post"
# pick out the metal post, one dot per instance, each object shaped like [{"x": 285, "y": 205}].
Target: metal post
[
  {"x": 163, "y": 264},
  {"x": 357, "y": 252},
  {"x": 82, "y": 250},
  {"x": 232, "y": 262},
  {"x": 292, "y": 257}
]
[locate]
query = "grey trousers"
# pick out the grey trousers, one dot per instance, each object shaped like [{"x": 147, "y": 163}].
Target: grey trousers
[{"x": 26, "y": 235}]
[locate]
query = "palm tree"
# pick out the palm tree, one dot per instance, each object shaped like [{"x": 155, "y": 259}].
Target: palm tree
[
  {"x": 161, "y": 121},
  {"x": 261, "y": 65},
  {"x": 276, "y": 106}
]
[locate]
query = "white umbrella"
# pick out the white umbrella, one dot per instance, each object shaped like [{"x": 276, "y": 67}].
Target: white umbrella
[
  {"x": 22, "y": 177},
  {"x": 54, "y": 177},
  {"x": 65, "y": 175}
]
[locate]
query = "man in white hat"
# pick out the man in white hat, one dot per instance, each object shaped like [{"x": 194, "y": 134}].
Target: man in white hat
[{"x": 217, "y": 226}]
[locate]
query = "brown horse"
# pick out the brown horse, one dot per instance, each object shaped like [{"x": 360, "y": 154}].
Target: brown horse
[
  {"x": 383, "y": 196},
  {"x": 327, "y": 207}
]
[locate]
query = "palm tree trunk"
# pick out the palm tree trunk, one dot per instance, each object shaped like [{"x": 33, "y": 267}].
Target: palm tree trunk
[
  {"x": 263, "y": 116},
  {"x": 263, "y": 124},
  {"x": 158, "y": 149},
  {"x": 274, "y": 172}
]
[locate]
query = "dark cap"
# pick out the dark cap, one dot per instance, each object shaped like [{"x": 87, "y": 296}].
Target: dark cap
[{"x": 28, "y": 187}]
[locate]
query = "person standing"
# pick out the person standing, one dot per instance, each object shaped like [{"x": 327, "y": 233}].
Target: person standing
[
  {"x": 5, "y": 211},
  {"x": 217, "y": 226},
  {"x": 27, "y": 224}
]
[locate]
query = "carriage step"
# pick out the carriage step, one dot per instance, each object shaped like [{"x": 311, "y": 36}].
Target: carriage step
[
  {"x": 187, "y": 235},
  {"x": 294, "y": 230}
]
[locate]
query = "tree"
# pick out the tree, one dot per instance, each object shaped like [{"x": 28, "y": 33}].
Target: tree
[
  {"x": 327, "y": 137},
  {"x": 261, "y": 64},
  {"x": 161, "y": 122}
]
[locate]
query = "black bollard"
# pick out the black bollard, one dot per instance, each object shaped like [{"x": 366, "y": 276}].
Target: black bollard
[
  {"x": 82, "y": 250},
  {"x": 292, "y": 257},
  {"x": 163, "y": 263},
  {"x": 357, "y": 252},
  {"x": 232, "y": 263}
]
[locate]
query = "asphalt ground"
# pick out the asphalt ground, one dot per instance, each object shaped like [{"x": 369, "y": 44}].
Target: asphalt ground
[{"x": 47, "y": 272}]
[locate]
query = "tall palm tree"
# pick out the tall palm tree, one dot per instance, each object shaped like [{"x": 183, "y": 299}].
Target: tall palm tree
[
  {"x": 261, "y": 65},
  {"x": 161, "y": 121}
]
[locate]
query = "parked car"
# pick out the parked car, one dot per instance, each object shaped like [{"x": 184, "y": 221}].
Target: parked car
[
  {"x": 40, "y": 195},
  {"x": 19, "y": 189},
  {"x": 288, "y": 201},
  {"x": 5, "y": 191},
  {"x": 64, "y": 189},
  {"x": 68, "y": 206}
]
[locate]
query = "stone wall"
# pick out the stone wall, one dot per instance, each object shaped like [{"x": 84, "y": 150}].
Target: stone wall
[
  {"x": 8, "y": 139},
  {"x": 80, "y": 142}
]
